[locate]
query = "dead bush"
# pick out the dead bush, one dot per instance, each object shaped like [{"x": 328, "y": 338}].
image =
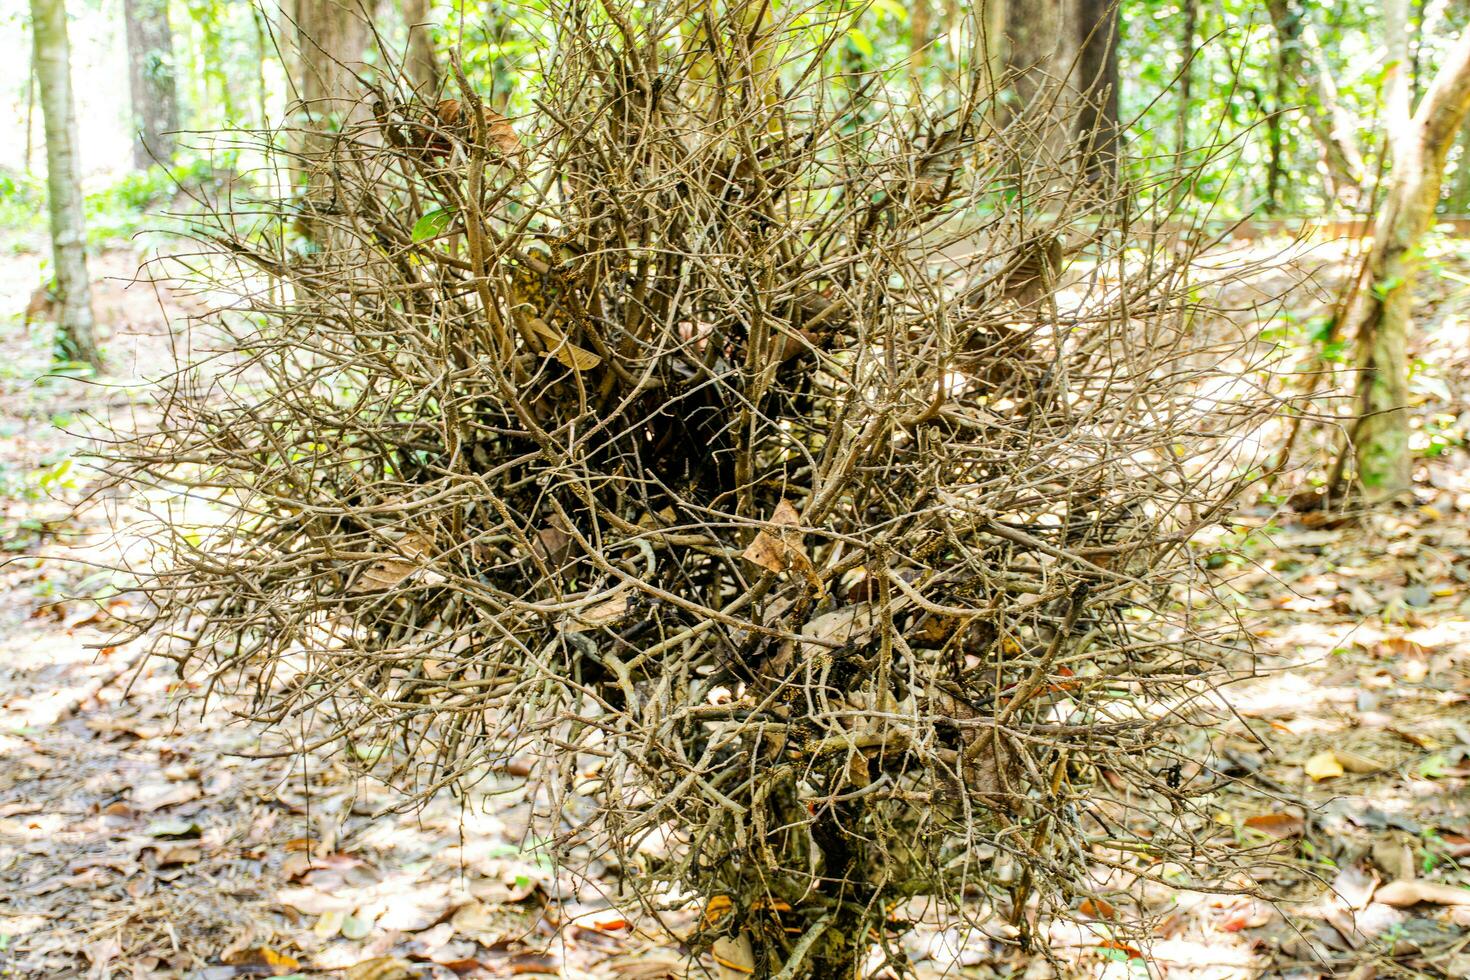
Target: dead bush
[{"x": 797, "y": 475}]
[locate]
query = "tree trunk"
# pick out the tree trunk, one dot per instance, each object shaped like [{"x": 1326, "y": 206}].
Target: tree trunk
[
  {"x": 1187, "y": 30},
  {"x": 76, "y": 334},
  {"x": 1379, "y": 317},
  {"x": 329, "y": 40},
  {"x": 151, "y": 83},
  {"x": 1038, "y": 62},
  {"x": 422, "y": 69},
  {"x": 1097, "y": 66}
]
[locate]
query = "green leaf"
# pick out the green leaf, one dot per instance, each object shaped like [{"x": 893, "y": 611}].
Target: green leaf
[
  {"x": 860, "y": 41},
  {"x": 433, "y": 223}
]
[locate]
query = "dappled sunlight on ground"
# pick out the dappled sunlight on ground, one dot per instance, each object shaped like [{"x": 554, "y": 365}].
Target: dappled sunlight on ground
[{"x": 141, "y": 837}]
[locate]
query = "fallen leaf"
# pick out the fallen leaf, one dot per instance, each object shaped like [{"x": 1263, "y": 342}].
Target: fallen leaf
[
  {"x": 1323, "y": 765},
  {"x": 1353, "y": 762},
  {"x": 263, "y": 958},
  {"x": 1097, "y": 908},
  {"x": 1402, "y": 894},
  {"x": 597, "y": 615},
  {"x": 1278, "y": 825},
  {"x": 381, "y": 968},
  {"x": 329, "y": 923}
]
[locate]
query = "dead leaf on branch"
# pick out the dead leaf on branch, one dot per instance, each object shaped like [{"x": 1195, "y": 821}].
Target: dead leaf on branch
[
  {"x": 558, "y": 346},
  {"x": 783, "y": 551},
  {"x": 597, "y": 615},
  {"x": 414, "y": 553}
]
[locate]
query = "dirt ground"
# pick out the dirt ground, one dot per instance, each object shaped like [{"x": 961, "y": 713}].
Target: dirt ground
[{"x": 143, "y": 837}]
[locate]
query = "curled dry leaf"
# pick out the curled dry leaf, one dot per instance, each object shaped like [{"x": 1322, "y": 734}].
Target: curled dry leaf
[
  {"x": 1278, "y": 825},
  {"x": 597, "y": 615},
  {"x": 783, "y": 551},
  {"x": 1323, "y": 765},
  {"x": 258, "y": 958},
  {"x": 1402, "y": 894},
  {"x": 413, "y": 553}
]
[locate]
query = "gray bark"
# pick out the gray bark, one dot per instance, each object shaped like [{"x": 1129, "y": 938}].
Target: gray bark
[
  {"x": 151, "y": 82},
  {"x": 76, "y": 333},
  {"x": 1097, "y": 68}
]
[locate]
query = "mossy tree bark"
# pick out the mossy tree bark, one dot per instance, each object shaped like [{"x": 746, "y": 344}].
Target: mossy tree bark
[
  {"x": 75, "y": 329},
  {"x": 1380, "y": 314}
]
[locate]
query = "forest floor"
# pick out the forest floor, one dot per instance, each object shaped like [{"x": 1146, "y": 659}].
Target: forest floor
[{"x": 141, "y": 837}]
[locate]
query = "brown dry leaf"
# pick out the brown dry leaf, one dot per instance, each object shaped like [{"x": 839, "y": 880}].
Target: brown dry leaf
[
  {"x": 1323, "y": 765},
  {"x": 414, "y": 551},
  {"x": 783, "y": 551},
  {"x": 1402, "y": 894},
  {"x": 1097, "y": 908},
  {"x": 597, "y": 615},
  {"x": 381, "y": 968},
  {"x": 263, "y": 957},
  {"x": 1278, "y": 825},
  {"x": 1356, "y": 763},
  {"x": 559, "y": 347}
]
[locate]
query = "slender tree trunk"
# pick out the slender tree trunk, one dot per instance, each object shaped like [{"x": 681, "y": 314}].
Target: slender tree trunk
[
  {"x": 1380, "y": 315},
  {"x": 1187, "y": 29},
  {"x": 1037, "y": 61},
  {"x": 328, "y": 40},
  {"x": 422, "y": 69},
  {"x": 151, "y": 82},
  {"x": 76, "y": 334},
  {"x": 1097, "y": 66}
]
